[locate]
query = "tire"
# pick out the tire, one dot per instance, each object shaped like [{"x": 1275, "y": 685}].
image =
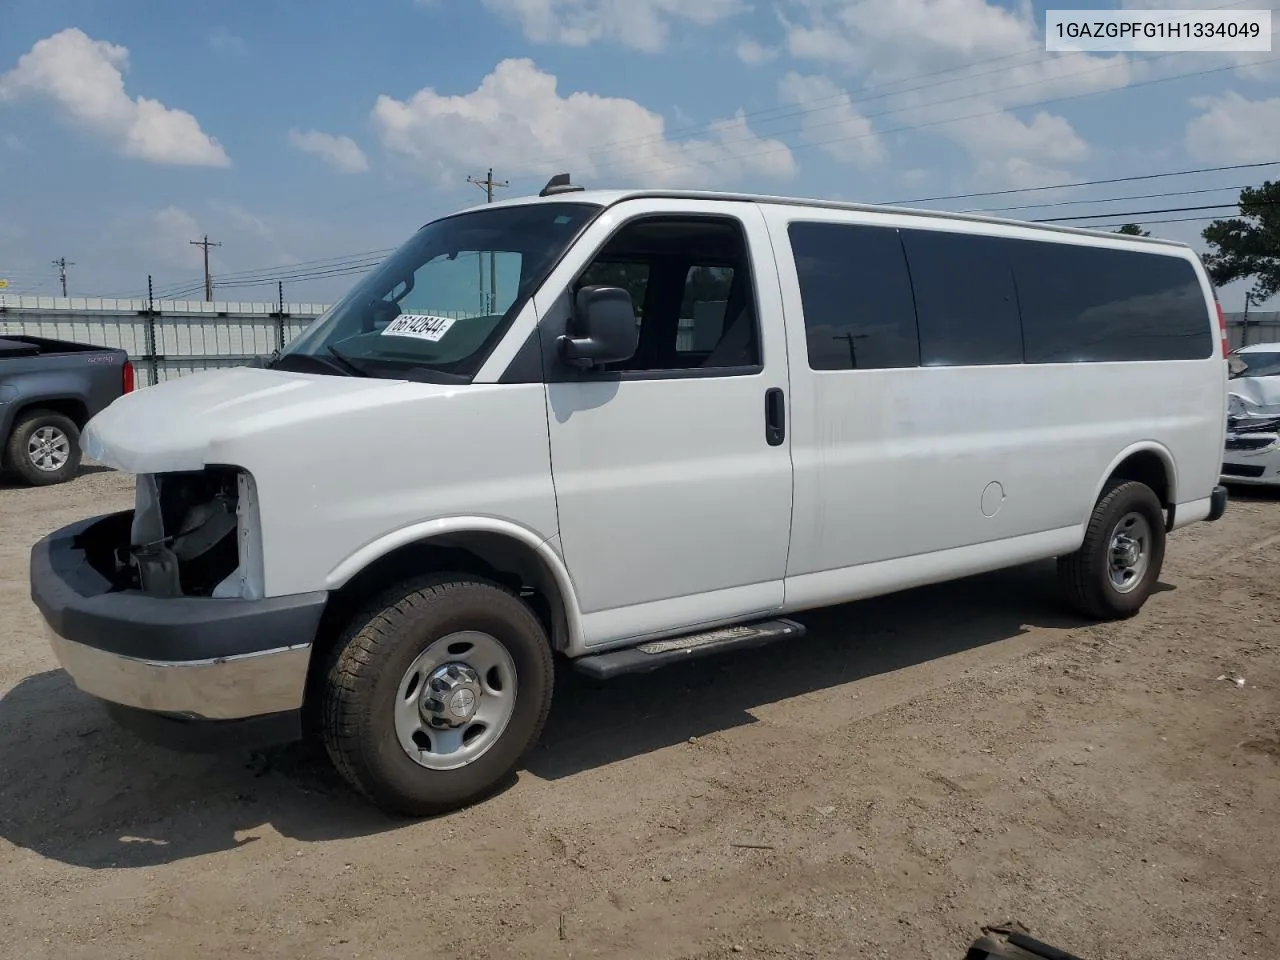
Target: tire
[
  {"x": 391, "y": 649},
  {"x": 44, "y": 448},
  {"x": 1092, "y": 585}
]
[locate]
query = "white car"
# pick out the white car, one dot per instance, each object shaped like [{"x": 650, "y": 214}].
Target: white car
[
  {"x": 1253, "y": 416},
  {"x": 675, "y": 420}
]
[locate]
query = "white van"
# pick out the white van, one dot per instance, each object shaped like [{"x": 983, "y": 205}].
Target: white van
[{"x": 620, "y": 429}]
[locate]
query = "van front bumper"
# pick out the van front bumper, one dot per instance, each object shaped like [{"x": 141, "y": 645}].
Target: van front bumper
[{"x": 192, "y": 672}]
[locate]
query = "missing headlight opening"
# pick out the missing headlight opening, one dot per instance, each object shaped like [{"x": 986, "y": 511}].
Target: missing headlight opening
[{"x": 183, "y": 541}]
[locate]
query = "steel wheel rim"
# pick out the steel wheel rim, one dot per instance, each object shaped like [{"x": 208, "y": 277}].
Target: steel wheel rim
[
  {"x": 48, "y": 449},
  {"x": 455, "y": 700},
  {"x": 1129, "y": 554}
]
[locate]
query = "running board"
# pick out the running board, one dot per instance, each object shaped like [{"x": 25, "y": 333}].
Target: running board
[{"x": 660, "y": 653}]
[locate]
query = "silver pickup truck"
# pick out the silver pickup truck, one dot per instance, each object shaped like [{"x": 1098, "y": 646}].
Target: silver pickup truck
[{"x": 49, "y": 389}]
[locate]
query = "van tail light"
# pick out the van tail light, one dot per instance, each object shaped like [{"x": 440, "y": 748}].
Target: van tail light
[
  {"x": 1222, "y": 328},
  {"x": 127, "y": 377}
]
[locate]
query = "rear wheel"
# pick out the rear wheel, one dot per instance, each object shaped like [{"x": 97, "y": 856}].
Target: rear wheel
[
  {"x": 44, "y": 448},
  {"x": 435, "y": 693},
  {"x": 1113, "y": 573}
]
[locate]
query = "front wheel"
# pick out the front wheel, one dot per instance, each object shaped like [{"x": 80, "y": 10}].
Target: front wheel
[
  {"x": 1113, "y": 573},
  {"x": 435, "y": 693}
]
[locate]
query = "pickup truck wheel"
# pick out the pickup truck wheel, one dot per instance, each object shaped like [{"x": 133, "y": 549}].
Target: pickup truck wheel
[
  {"x": 44, "y": 448},
  {"x": 435, "y": 693},
  {"x": 1118, "y": 565}
]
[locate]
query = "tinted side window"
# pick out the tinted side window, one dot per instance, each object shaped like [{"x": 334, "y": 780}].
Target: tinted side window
[
  {"x": 702, "y": 308},
  {"x": 966, "y": 305},
  {"x": 856, "y": 294},
  {"x": 690, "y": 280},
  {"x": 1089, "y": 304}
]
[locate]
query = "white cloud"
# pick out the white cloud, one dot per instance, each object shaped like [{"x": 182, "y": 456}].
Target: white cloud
[
  {"x": 84, "y": 77},
  {"x": 840, "y": 130},
  {"x": 953, "y": 68},
  {"x": 753, "y": 52},
  {"x": 1045, "y": 137},
  {"x": 640, "y": 24},
  {"x": 341, "y": 153},
  {"x": 517, "y": 120},
  {"x": 167, "y": 237},
  {"x": 1015, "y": 173},
  {"x": 1233, "y": 129},
  {"x": 223, "y": 40}
]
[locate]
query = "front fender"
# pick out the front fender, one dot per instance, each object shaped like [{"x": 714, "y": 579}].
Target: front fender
[{"x": 444, "y": 526}]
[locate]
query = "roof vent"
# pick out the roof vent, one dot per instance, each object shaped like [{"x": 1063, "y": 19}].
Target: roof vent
[{"x": 559, "y": 184}]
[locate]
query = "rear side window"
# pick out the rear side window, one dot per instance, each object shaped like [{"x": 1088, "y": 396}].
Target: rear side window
[
  {"x": 1084, "y": 304},
  {"x": 856, "y": 295},
  {"x": 966, "y": 304}
]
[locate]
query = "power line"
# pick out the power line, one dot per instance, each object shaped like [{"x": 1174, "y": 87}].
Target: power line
[
  {"x": 1149, "y": 223},
  {"x": 347, "y": 264},
  {"x": 910, "y": 128},
  {"x": 208, "y": 281},
  {"x": 270, "y": 274},
  {"x": 1072, "y": 203},
  {"x": 841, "y": 97},
  {"x": 1089, "y": 183},
  {"x": 835, "y": 100},
  {"x": 1141, "y": 213}
]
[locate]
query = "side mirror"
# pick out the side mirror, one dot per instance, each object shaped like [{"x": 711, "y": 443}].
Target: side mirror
[{"x": 604, "y": 328}]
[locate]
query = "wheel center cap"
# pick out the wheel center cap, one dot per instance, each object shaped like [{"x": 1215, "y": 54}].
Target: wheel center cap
[
  {"x": 1127, "y": 552},
  {"x": 451, "y": 695},
  {"x": 462, "y": 703}
]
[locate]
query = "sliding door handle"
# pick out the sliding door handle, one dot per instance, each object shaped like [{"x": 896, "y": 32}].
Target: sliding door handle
[{"x": 775, "y": 416}]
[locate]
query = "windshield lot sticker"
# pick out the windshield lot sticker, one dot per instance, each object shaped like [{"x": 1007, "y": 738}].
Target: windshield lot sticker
[{"x": 419, "y": 326}]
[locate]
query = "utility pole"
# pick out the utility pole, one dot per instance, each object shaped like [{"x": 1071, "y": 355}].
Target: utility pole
[
  {"x": 487, "y": 185},
  {"x": 208, "y": 280},
  {"x": 62, "y": 263}
]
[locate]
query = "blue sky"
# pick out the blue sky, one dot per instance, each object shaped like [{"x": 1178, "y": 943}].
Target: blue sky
[{"x": 292, "y": 131}]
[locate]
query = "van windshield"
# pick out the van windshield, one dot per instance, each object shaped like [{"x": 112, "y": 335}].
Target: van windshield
[{"x": 436, "y": 307}]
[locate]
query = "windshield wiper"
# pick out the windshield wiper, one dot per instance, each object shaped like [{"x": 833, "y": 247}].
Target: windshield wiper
[{"x": 347, "y": 363}]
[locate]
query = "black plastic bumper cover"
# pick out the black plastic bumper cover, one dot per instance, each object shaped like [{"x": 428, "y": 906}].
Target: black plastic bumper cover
[{"x": 80, "y": 604}]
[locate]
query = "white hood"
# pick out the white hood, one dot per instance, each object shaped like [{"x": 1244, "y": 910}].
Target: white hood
[{"x": 185, "y": 423}]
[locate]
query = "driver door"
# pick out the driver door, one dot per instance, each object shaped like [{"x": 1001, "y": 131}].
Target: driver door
[{"x": 673, "y": 489}]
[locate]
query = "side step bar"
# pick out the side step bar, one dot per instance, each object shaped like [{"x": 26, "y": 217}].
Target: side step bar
[{"x": 660, "y": 653}]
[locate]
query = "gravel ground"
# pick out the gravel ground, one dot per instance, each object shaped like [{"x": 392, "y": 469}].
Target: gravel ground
[{"x": 920, "y": 765}]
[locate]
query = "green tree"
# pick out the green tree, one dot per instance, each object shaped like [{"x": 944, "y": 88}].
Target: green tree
[
  {"x": 1133, "y": 230},
  {"x": 1247, "y": 247}
]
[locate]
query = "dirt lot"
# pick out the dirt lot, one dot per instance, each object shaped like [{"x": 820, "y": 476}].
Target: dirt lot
[{"x": 920, "y": 765}]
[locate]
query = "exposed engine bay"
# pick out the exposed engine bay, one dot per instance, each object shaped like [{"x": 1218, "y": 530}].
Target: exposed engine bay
[{"x": 184, "y": 540}]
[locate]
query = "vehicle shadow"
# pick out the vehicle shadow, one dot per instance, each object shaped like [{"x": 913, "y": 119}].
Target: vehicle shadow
[
  {"x": 593, "y": 723},
  {"x": 10, "y": 482},
  {"x": 76, "y": 788}
]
